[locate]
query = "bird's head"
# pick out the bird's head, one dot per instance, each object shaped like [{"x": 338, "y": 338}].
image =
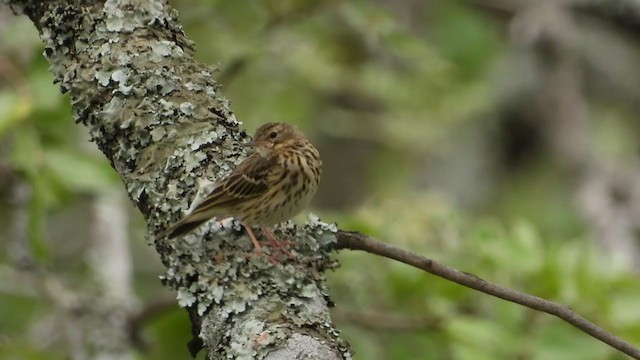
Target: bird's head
[{"x": 272, "y": 137}]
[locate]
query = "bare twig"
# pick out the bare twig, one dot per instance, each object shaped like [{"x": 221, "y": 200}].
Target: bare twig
[
  {"x": 358, "y": 241},
  {"x": 146, "y": 314},
  {"x": 383, "y": 321}
]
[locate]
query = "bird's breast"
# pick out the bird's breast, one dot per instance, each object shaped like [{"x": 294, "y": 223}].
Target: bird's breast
[{"x": 291, "y": 189}]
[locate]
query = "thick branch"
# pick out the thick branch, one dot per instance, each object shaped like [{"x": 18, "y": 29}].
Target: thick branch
[
  {"x": 358, "y": 241},
  {"x": 158, "y": 116}
]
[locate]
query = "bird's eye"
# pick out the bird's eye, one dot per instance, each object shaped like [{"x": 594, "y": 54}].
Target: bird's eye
[{"x": 273, "y": 135}]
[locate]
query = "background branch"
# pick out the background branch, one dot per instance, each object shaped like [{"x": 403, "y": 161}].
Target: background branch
[
  {"x": 377, "y": 320},
  {"x": 357, "y": 241}
]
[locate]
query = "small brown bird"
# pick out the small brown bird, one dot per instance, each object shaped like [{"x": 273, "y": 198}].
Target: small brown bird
[{"x": 270, "y": 186}]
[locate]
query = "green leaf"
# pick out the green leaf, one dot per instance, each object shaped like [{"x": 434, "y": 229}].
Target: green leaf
[
  {"x": 527, "y": 247},
  {"x": 27, "y": 151},
  {"x": 44, "y": 90},
  {"x": 80, "y": 172},
  {"x": 13, "y": 109},
  {"x": 481, "y": 337},
  {"x": 560, "y": 341},
  {"x": 27, "y": 159}
]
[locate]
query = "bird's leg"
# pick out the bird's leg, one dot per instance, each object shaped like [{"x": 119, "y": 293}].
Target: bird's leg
[
  {"x": 278, "y": 244},
  {"x": 255, "y": 242},
  {"x": 272, "y": 238},
  {"x": 253, "y": 239}
]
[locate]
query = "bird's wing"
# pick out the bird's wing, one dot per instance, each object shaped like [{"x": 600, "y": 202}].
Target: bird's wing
[{"x": 248, "y": 180}]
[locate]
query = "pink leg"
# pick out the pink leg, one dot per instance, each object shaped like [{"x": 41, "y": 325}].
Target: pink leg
[
  {"x": 253, "y": 239},
  {"x": 275, "y": 243},
  {"x": 255, "y": 242}
]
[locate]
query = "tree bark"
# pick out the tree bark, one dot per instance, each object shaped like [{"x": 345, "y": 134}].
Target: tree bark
[{"x": 157, "y": 115}]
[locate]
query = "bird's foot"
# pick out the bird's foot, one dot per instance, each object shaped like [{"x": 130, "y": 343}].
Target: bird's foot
[
  {"x": 279, "y": 245},
  {"x": 259, "y": 254},
  {"x": 273, "y": 244}
]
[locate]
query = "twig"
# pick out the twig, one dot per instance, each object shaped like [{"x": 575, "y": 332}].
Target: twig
[
  {"x": 382, "y": 321},
  {"x": 146, "y": 314},
  {"x": 357, "y": 241}
]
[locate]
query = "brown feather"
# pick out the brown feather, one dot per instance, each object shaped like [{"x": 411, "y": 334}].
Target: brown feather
[{"x": 270, "y": 186}]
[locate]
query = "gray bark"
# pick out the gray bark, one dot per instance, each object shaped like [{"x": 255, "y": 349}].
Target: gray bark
[{"x": 157, "y": 115}]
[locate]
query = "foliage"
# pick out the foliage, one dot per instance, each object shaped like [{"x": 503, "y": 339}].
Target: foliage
[{"x": 470, "y": 325}]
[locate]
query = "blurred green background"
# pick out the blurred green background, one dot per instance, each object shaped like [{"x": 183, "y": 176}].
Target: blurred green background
[{"x": 498, "y": 139}]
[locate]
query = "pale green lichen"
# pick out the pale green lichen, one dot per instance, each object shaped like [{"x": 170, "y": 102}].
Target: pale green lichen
[
  {"x": 103, "y": 77},
  {"x": 186, "y": 108},
  {"x": 185, "y": 297}
]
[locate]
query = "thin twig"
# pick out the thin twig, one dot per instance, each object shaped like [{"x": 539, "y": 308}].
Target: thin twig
[
  {"x": 358, "y": 241},
  {"x": 386, "y": 322},
  {"x": 149, "y": 312}
]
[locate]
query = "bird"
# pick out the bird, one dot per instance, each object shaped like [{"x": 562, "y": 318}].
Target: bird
[{"x": 273, "y": 184}]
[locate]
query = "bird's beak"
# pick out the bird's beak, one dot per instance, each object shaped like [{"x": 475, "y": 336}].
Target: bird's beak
[{"x": 249, "y": 144}]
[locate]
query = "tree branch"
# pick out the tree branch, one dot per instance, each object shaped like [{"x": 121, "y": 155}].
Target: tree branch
[
  {"x": 158, "y": 116},
  {"x": 357, "y": 241}
]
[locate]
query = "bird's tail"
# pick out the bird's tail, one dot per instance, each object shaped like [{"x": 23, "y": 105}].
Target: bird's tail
[{"x": 184, "y": 226}]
